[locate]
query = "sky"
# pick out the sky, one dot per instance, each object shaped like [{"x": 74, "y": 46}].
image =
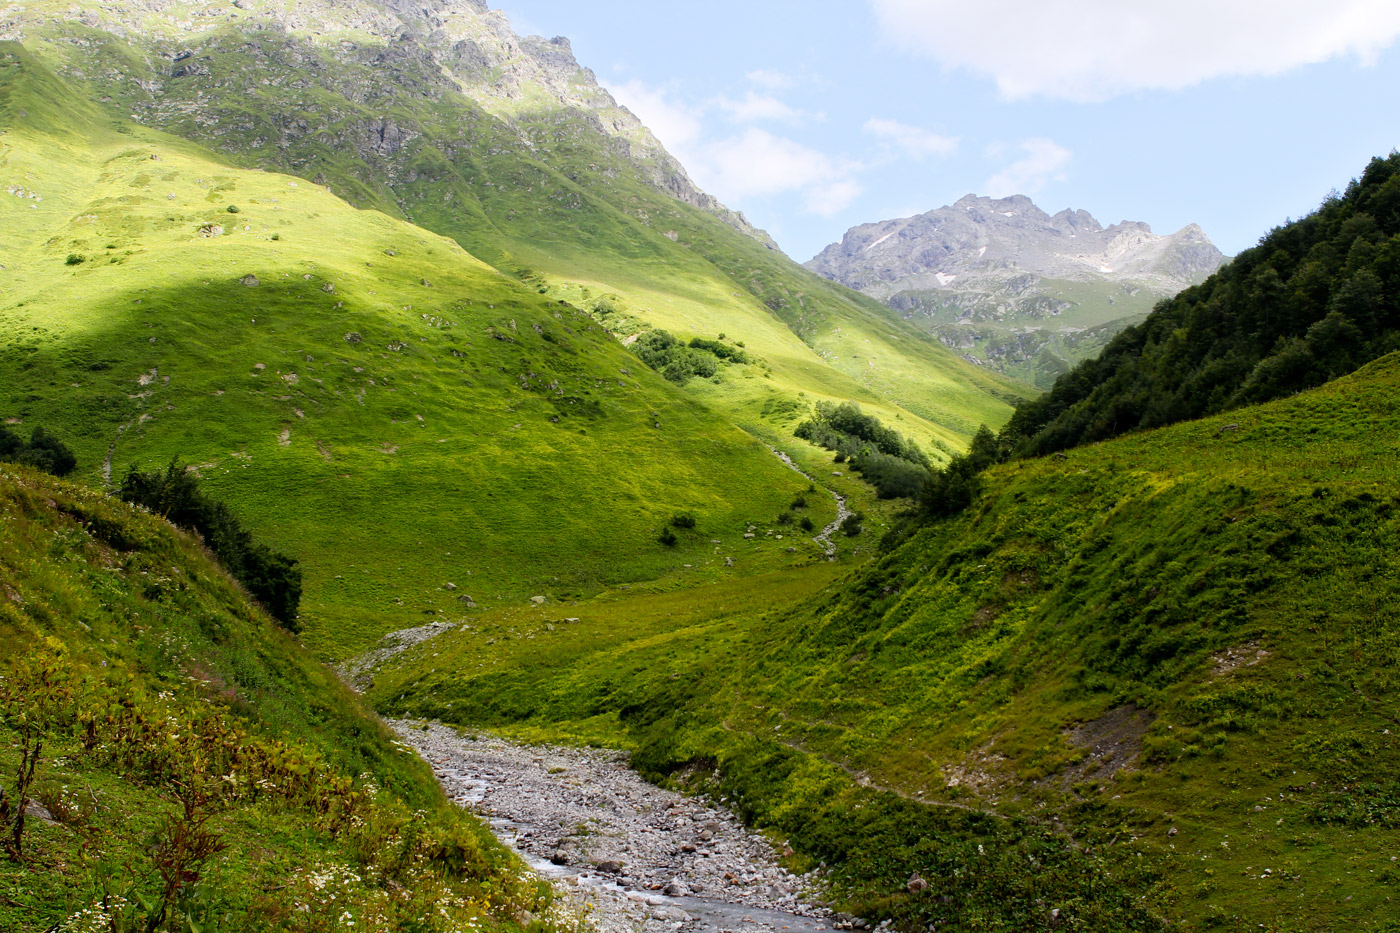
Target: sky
[{"x": 812, "y": 116}]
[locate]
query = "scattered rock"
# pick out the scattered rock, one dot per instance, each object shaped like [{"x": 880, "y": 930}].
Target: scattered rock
[
  {"x": 609, "y": 867},
  {"x": 916, "y": 883},
  {"x": 539, "y": 600},
  {"x": 449, "y": 586},
  {"x": 353, "y": 337},
  {"x": 212, "y": 230},
  {"x": 249, "y": 281},
  {"x": 37, "y": 811}
]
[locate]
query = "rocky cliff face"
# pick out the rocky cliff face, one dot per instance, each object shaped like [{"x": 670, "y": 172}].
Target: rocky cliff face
[
  {"x": 1016, "y": 288},
  {"x": 392, "y": 57}
]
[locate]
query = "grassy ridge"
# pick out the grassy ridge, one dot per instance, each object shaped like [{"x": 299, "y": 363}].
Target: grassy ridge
[
  {"x": 380, "y": 404},
  {"x": 173, "y": 718},
  {"x": 1174, "y": 652}
]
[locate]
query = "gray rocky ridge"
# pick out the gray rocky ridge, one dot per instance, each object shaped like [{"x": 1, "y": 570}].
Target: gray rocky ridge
[
  {"x": 982, "y": 239},
  {"x": 425, "y": 48},
  {"x": 1014, "y": 288}
]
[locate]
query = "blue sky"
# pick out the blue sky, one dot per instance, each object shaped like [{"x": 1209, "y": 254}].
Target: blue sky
[{"x": 814, "y": 116}]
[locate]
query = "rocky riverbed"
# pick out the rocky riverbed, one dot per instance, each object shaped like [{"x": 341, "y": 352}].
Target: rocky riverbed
[{"x": 645, "y": 858}]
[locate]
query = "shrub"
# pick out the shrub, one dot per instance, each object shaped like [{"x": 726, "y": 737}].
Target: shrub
[
  {"x": 852, "y": 524},
  {"x": 799, "y": 503},
  {"x": 950, "y": 490},
  {"x": 43, "y": 451},
  {"x": 232, "y": 209},
  {"x": 683, "y": 520},
  {"x": 273, "y": 579},
  {"x": 75, "y": 259},
  {"x": 678, "y": 361},
  {"x": 785, "y": 518},
  {"x": 668, "y": 537},
  {"x": 806, "y": 524}
]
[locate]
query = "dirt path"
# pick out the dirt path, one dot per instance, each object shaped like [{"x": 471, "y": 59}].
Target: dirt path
[{"x": 646, "y": 858}]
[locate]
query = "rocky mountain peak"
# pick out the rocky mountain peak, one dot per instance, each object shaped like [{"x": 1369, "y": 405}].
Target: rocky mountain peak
[
  {"x": 977, "y": 236},
  {"x": 1013, "y": 287}
]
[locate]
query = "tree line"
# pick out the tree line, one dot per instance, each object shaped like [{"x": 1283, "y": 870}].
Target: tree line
[{"x": 1317, "y": 298}]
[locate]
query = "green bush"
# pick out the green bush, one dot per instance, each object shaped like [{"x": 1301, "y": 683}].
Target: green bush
[
  {"x": 668, "y": 537},
  {"x": 75, "y": 259},
  {"x": 677, "y": 361},
  {"x": 43, "y": 451},
  {"x": 273, "y": 579},
  {"x": 683, "y": 520}
]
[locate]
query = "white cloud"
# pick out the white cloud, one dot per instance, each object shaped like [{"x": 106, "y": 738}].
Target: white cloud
[
  {"x": 677, "y": 125},
  {"x": 772, "y": 80},
  {"x": 757, "y": 163},
  {"x": 911, "y": 140},
  {"x": 1089, "y": 50},
  {"x": 831, "y": 198},
  {"x": 1044, "y": 162},
  {"x": 751, "y": 164},
  {"x": 754, "y": 107}
]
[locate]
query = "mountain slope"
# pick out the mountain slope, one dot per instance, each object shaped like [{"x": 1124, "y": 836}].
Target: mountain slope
[
  {"x": 437, "y": 113},
  {"x": 1025, "y": 292},
  {"x": 351, "y": 385},
  {"x": 191, "y": 760},
  {"x": 1317, "y": 298},
  {"x": 1146, "y": 683}
]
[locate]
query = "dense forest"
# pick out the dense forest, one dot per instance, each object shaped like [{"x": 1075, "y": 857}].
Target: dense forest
[{"x": 1316, "y": 299}]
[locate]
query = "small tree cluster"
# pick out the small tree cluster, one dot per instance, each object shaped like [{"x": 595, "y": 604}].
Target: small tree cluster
[
  {"x": 42, "y": 451},
  {"x": 950, "y": 490},
  {"x": 678, "y": 361},
  {"x": 893, "y": 464},
  {"x": 273, "y": 579}
]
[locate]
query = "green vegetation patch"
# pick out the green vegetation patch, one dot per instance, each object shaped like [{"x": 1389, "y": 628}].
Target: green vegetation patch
[{"x": 171, "y": 761}]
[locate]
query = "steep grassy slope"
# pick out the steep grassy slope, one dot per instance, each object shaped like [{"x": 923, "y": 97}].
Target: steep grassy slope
[
  {"x": 1162, "y": 669},
  {"x": 369, "y": 397},
  {"x": 173, "y": 719},
  {"x": 386, "y": 109}
]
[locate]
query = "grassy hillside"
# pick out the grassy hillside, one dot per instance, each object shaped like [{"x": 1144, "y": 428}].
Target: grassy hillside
[
  {"x": 366, "y": 395},
  {"x": 540, "y": 191},
  {"x": 1148, "y": 682},
  {"x": 194, "y": 763}
]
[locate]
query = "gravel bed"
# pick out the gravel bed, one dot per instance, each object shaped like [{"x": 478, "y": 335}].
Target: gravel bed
[{"x": 645, "y": 858}]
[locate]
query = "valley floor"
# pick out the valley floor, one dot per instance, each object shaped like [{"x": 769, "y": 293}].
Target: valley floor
[{"x": 642, "y": 857}]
